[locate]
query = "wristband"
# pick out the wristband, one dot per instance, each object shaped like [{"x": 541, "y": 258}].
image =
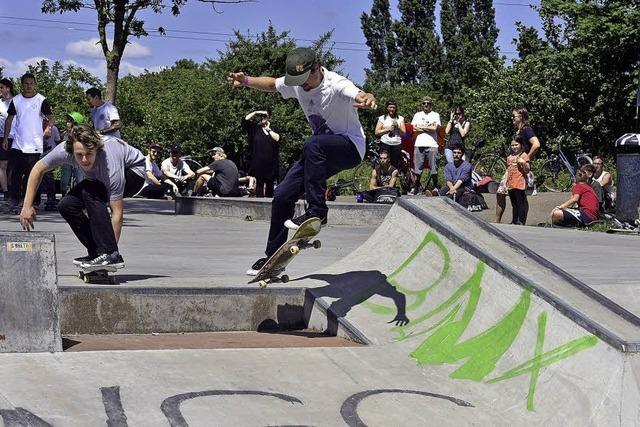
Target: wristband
[{"x": 245, "y": 81}]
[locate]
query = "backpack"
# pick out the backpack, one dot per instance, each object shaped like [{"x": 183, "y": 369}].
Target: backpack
[
  {"x": 473, "y": 201},
  {"x": 385, "y": 195}
]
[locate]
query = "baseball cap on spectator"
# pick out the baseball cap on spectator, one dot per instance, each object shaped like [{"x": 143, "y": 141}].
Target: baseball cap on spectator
[
  {"x": 427, "y": 100},
  {"x": 156, "y": 146},
  {"x": 298, "y": 66},
  {"x": 77, "y": 118},
  {"x": 175, "y": 148},
  {"x": 216, "y": 150}
]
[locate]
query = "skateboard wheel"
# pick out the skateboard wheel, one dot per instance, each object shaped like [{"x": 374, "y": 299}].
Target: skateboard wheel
[
  {"x": 85, "y": 279},
  {"x": 284, "y": 278},
  {"x": 317, "y": 244},
  {"x": 262, "y": 283},
  {"x": 294, "y": 250}
]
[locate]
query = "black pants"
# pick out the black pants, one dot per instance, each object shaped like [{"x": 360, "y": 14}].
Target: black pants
[
  {"x": 156, "y": 191},
  {"x": 264, "y": 187},
  {"x": 519, "y": 206},
  {"x": 94, "y": 229},
  {"x": 19, "y": 166}
]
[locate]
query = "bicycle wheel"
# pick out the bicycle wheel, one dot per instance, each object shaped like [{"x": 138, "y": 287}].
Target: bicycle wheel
[
  {"x": 491, "y": 165},
  {"x": 555, "y": 176},
  {"x": 362, "y": 177}
]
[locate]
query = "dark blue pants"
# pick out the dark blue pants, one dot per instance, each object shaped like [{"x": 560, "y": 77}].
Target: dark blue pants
[{"x": 322, "y": 157}]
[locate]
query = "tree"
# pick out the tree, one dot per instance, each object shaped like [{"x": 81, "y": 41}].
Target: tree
[
  {"x": 419, "y": 48},
  {"x": 378, "y": 30},
  {"x": 122, "y": 14}
]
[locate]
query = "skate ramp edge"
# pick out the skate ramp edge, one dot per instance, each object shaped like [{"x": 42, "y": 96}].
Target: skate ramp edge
[
  {"x": 477, "y": 315},
  {"x": 28, "y": 293}
]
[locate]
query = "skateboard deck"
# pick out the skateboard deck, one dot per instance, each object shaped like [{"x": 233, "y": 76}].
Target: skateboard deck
[
  {"x": 631, "y": 231},
  {"x": 99, "y": 277},
  {"x": 277, "y": 263}
]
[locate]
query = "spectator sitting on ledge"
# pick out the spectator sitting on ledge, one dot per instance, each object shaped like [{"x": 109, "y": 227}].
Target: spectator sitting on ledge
[
  {"x": 457, "y": 175},
  {"x": 587, "y": 201}
]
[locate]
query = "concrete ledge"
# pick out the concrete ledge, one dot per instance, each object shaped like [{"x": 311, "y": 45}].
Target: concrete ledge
[
  {"x": 340, "y": 213},
  {"x": 109, "y": 310},
  {"x": 28, "y": 293}
]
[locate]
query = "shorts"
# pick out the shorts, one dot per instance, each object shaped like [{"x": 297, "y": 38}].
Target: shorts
[
  {"x": 4, "y": 154},
  {"x": 575, "y": 218},
  {"x": 420, "y": 154}
]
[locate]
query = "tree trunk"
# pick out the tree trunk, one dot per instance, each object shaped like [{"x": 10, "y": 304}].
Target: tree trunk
[{"x": 113, "y": 68}]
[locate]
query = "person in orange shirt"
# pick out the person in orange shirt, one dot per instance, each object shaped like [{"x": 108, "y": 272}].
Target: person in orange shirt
[{"x": 517, "y": 170}]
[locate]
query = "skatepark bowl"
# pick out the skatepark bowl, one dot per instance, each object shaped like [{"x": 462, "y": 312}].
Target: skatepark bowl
[{"x": 437, "y": 317}]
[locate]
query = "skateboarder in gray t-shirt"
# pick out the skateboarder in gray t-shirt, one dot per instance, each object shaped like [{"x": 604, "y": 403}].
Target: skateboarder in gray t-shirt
[{"x": 113, "y": 170}]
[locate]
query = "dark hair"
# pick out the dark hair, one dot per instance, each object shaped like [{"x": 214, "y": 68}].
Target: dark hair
[
  {"x": 460, "y": 109},
  {"x": 390, "y": 102},
  {"x": 8, "y": 83},
  {"x": 458, "y": 146},
  {"x": 589, "y": 168},
  {"x": 268, "y": 110},
  {"x": 581, "y": 176},
  {"x": 26, "y": 76},
  {"x": 524, "y": 115},
  {"x": 519, "y": 139},
  {"x": 383, "y": 151},
  {"x": 93, "y": 92}
]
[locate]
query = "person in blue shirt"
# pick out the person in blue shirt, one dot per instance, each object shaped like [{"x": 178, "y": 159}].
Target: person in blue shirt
[{"x": 457, "y": 175}]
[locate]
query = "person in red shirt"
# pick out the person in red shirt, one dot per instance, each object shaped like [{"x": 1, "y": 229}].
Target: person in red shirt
[{"x": 587, "y": 201}]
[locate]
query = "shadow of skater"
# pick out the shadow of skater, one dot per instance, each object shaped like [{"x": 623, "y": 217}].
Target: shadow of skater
[{"x": 351, "y": 289}]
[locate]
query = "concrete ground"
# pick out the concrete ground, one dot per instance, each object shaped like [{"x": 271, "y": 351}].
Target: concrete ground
[{"x": 479, "y": 349}]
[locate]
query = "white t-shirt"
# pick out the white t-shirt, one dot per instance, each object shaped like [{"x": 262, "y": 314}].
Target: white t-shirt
[
  {"x": 151, "y": 166},
  {"x": 102, "y": 117},
  {"x": 28, "y": 134},
  {"x": 329, "y": 107},
  {"x": 393, "y": 137},
  {"x": 4, "y": 109},
  {"x": 426, "y": 139},
  {"x": 179, "y": 169},
  {"x": 115, "y": 157}
]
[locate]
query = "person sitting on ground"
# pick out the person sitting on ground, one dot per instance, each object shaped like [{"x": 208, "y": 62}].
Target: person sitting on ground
[
  {"x": 177, "y": 170},
  {"x": 605, "y": 180},
  {"x": 221, "y": 176},
  {"x": 586, "y": 200},
  {"x": 114, "y": 170},
  {"x": 383, "y": 177},
  {"x": 590, "y": 170},
  {"x": 156, "y": 186},
  {"x": 457, "y": 175}
]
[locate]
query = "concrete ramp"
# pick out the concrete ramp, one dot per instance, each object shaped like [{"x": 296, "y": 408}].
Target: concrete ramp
[
  {"x": 485, "y": 321},
  {"x": 28, "y": 293}
]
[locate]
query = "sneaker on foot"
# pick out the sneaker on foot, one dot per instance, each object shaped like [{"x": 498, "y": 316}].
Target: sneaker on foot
[
  {"x": 256, "y": 267},
  {"x": 105, "y": 260},
  {"x": 294, "y": 223},
  {"x": 81, "y": 260}
]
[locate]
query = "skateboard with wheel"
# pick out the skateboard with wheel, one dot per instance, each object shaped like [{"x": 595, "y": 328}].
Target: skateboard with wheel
[
  {"x": 98, "y": 277},
  {"x": 277, "y": 263}
]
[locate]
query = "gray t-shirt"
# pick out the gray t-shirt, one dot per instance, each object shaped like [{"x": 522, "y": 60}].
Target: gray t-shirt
[{"x": 112, "y": 160}]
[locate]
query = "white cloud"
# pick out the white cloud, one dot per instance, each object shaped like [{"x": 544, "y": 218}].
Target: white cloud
[
  {"x": 97, "y": 67},
  {"x": 92, "y": 49}
]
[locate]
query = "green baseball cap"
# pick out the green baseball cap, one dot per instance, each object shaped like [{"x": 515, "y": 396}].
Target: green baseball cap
[
  {"x": 77, "y": 118},
  {"x": 298, "y": 66}
]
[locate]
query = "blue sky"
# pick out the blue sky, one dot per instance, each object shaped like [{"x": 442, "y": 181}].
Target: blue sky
[{"x": 34, "y": 36}]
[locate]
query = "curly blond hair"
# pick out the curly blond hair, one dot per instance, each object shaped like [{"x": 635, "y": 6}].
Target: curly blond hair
[{"x": 85, "y": 135}]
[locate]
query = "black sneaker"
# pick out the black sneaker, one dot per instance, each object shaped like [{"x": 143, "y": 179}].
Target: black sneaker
[
  {"x": 256, "y": 266},
  {"x": 294, "y": 224},
  {"x": 82, "y": 259},
  {"x": 113, "y": 260}
]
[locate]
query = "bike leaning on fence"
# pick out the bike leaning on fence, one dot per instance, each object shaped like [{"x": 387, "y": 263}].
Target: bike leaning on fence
[
  {"x": 559, "y": 171},
  {"x": 486, "y": 164}
]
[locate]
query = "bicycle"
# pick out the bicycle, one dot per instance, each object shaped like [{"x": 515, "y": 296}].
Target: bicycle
[
  {"x": 558, "y": 172},
  {"x": 486, "y": 164}
]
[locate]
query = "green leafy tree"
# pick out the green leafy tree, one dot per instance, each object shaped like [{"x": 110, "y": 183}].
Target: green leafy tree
[
  {"x": 419, "y": 49},
  {"x": 378, "y": 30},
  {"x": 123, "y": 15}
]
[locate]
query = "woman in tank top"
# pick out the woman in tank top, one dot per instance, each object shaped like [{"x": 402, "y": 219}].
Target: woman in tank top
[{"x": 457, "y": 129}]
